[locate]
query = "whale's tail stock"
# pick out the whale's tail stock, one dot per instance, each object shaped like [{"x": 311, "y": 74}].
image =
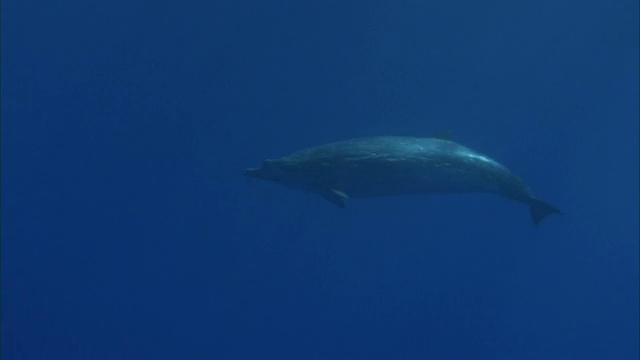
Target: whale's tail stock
[{"x": 540, "y": 210}]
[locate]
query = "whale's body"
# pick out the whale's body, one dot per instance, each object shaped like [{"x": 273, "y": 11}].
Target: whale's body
[{"x": 394, "y": 165}]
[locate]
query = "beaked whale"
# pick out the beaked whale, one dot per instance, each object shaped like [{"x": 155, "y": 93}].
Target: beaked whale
[{"x": 397, "y": 165}]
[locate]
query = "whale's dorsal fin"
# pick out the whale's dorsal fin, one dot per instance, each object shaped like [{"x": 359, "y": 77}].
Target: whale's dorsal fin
[{"x": 336, "y": 197}]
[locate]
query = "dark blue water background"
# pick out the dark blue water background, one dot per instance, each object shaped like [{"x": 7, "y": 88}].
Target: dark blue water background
[{"x": 129, "y": 231}]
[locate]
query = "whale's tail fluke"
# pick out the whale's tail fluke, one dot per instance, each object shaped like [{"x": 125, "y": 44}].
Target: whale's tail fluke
[{"x": 540, "y": 210}]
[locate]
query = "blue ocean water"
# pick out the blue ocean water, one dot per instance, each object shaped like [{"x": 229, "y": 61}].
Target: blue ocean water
[{"x": 130, "y": 232}]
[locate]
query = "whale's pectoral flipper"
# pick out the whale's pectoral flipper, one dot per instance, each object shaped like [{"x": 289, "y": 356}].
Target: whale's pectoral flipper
[
  {"x": 336, "y": 197},
  {"x": 540, "y": 210}
]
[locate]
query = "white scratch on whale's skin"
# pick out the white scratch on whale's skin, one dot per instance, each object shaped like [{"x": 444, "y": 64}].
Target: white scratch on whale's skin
[{"x": 479, "y": 157}]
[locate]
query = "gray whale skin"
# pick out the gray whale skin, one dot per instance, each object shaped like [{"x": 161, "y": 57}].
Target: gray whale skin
[{"x": 395, "y": 165}]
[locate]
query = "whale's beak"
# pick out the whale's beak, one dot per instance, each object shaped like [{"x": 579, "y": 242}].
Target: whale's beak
[{"x": 252, "y": 172}]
